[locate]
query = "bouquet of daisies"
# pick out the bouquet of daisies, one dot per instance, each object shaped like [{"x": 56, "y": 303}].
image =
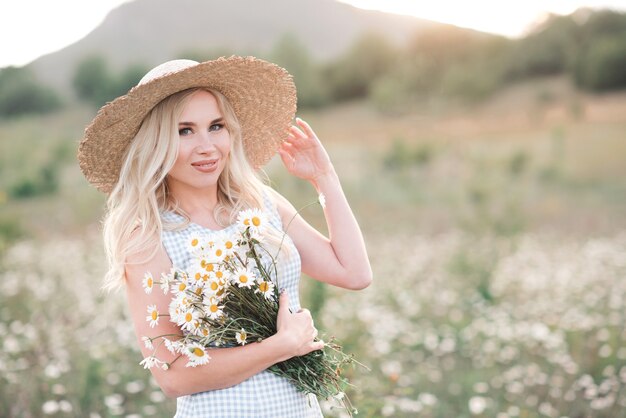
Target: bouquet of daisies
[{"x": 228, "y": 297}]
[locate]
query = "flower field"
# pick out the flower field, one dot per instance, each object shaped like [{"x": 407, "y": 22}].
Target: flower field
[
  {"x": 499, "y": 258},
  {"x": 544, "y": 338}
]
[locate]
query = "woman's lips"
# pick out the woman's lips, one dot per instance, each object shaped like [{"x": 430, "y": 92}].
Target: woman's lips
[{"x": 205, "y": 166}]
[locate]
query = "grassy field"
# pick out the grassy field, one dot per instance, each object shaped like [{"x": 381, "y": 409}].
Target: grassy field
[{"x": 497, "y": 235}]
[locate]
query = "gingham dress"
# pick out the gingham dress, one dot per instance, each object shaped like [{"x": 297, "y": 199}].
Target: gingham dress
[{"x": 263, "y": 395}]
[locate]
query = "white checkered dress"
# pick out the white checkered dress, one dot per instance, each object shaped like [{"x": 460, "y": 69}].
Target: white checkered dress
[{"x": 263, "y": 395}]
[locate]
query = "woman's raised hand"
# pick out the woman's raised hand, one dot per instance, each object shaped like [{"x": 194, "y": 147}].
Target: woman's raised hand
[
  {"x": 303, "y": 154},
  {"x": 296, "y": 329}
]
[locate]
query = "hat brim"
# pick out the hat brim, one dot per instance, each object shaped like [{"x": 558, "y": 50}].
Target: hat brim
[{"x": 263, "y": 96}]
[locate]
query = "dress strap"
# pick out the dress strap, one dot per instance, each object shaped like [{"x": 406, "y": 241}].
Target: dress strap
[{"x": 270, "y": 209}]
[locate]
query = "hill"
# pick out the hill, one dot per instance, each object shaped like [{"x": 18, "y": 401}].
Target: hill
[{"x": 151, "y": 31}]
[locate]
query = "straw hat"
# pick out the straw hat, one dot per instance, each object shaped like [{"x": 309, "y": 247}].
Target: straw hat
[{"x": 262, "y": 94}]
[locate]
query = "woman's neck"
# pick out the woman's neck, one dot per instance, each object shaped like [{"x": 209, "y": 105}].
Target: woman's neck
[{"x": 199, "y": 204}]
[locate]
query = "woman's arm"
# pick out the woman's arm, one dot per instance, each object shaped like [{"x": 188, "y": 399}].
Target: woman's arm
[
  {"x": 341, "y": 259},
  {"x": 227, "y": 366}
]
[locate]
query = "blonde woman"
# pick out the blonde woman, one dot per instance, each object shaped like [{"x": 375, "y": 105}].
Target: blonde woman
[{"x": 178, "y": 155}]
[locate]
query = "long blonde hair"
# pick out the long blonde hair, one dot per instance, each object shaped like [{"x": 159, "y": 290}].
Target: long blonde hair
[{"x": 133, "y": 224}]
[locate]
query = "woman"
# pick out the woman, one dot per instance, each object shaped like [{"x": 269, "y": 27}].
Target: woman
[{"x": 177, "y": 155}]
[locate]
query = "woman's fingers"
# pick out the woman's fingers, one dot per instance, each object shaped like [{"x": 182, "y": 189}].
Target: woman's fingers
[
  {"x": 296, "y": 132},
  {"x": 306, "y": 128}
]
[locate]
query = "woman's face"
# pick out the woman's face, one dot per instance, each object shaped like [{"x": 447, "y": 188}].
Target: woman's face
[{"x": 204, "y": 145}]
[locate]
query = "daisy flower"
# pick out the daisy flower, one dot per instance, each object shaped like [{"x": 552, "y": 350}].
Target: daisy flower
[
  {"x": 197, "y": 355},
  {"x": 148, "y": 282},
  {"x": 153, "y": 316},
  {"x": 174, "y": 346},
  {"x": 322, "y": 200},
  {"x": 199, "y": 277},
  {"x": 229, "y": 244},
  {"x": 217, "y": 252},
  {"x": 241, "y": 337},
  {"x": 187, "y": 320},
  {"x": 180, "y": 285},
  {"x": 243, "y": 277},
  {"x": 148, "y": 343},
  {"x": 253, "y": 219},
  {"x": 166, "y": 280},
  {"x": 178, "y": 306},
  {"x": 213, "y": 286},
  {"x": 150, "y": 362},
  {"x": 194, "y": 243},
  {"x": 266, "y": 288},
  {"x": 212, "y": 308}
]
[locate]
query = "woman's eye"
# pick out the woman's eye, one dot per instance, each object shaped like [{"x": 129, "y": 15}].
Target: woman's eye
[
  {"x": 216, "y": 127},
  {"x": 185, "y": 131}
]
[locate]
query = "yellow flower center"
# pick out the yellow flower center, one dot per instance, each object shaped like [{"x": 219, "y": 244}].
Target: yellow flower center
[
  {"x": 256, "y": 221},
  {"x": 194, "y": 242},
  {"x": 199, "y": 291},
  {"x": 188, "y": 317},
  {"x": 218, "y": 252},
  {"x": 228, "y": 245},
  {"x": 219, "y": 274},
  {"x": 242, "y": 335},
  {"x": 209, "y": 267},
  {"x": 243, "y": 278},
  {"x": 214, "y": 286},
  {"x": 198, "y": 352},
  {"x": 214, "y": 308},
  {"x": 203, "y": 263},
  {"x": 246, "y": 222},
  {"x": 198, "y": 276},
  {"x": 182, "y": 286},
  {"x": 155, "y": 315},
  {"x": 264, "y": 286},
  {"x": 149, "y": 282}
]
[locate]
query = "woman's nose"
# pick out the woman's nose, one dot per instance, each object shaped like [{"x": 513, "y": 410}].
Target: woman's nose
[{"x": 205, "y": 143}]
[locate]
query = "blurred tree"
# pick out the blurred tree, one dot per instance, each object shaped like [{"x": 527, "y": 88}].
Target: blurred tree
[
  {"x": 546, "y": 50},
  {"x": 96, "y": 84},
  {"x": 354, "y": 73},
  {"x": 128, "y": 79},
  {"x": 21, "y": 94},
  {"x": 603, "y": 66},
  {"x": 291, "y": 54},
  {"x": 92, "y": 80}
]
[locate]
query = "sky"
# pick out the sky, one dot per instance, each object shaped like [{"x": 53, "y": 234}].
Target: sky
[{"x": 31, "y": 28}]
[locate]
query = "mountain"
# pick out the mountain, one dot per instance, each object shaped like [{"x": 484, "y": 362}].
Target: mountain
[{"x": 148, "y": 32}]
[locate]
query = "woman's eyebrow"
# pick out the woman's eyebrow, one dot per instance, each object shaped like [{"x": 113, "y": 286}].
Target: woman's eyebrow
[{"x": 183, "y": 123}]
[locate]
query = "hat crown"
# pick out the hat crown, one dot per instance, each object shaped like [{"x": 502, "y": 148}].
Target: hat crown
[{"x": 168, "y": 67}]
